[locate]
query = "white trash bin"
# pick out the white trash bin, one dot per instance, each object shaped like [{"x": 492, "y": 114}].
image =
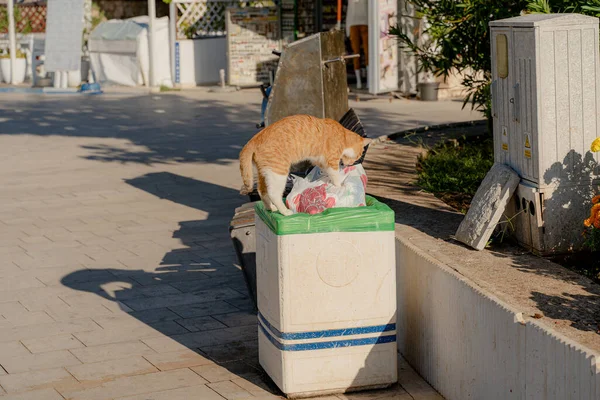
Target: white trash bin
[{"x": 326, "y": 286}]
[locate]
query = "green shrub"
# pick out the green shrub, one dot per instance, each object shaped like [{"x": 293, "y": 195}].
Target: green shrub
[
  {"x": 587, "y": 7},
  {"x": 592, "y": 238},
  {"x": 458, "y": 37},
  {"x": 458, "y": 34},
  {"x": 453, "y": 172},
  {"x": 19, "y": 18}
]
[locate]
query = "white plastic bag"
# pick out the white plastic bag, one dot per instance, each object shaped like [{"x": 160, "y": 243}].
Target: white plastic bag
[{"x": 315, "y": 193}]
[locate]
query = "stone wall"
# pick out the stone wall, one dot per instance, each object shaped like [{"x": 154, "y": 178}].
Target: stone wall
[{"x": 253, "y": 33}]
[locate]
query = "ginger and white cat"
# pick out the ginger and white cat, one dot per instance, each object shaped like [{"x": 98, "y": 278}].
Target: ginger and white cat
[{"x": 323, "y": 142}]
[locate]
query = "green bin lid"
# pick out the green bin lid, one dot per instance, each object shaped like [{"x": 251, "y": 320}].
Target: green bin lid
[{"x": 375, "y": 216}]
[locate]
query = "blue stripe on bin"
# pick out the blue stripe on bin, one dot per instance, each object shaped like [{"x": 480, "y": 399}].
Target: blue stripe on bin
[
  {"x": 327, "y": 345},
  {"x": 326, "y": 333}
]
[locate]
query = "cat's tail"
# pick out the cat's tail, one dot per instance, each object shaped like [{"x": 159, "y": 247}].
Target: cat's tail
[{"x": 246, "y": 167}]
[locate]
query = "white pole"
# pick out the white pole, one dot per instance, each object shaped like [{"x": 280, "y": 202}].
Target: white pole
[
  {"x": 172, "y": 40},
  {"x": 373, "y": 39},
  {"x": 12, "y": 45},
  {"x": 151, "y": 16}
]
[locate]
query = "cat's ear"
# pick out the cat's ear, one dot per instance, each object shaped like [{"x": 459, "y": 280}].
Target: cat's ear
[{"x": 366, "y": 142}]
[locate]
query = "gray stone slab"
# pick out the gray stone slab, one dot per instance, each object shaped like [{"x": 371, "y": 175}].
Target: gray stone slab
[
  {"x": 202, "y": 309},
  {"x": 162, "y": 302},
  {"x": 168, "y": 328},
  {"x": 200, "y": 284},
  {"x": 218, "y": 337},
  {"x": 243, "y": 318},
  {"x": 198, "y": 324},
  {"x": 177, "y": 273},
  {"x": 487, "y": 206},
  {"x": 155, "y": 315},
  {"x": 244, "y": 303},
  {"x": 232, "y": 351},
  {"x": 217, "y": 294}
]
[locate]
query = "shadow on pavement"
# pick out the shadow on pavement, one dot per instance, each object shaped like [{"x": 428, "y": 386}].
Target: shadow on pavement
[
  {"x": 150, "y": 129},
  {"x": 196, "y": 296}
]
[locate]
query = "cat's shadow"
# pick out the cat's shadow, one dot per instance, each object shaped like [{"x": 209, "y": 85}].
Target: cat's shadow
[{"x": 195, "y": 294}]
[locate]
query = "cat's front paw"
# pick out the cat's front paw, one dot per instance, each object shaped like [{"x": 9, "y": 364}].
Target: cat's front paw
[
  {"x": 335, "y": 177},
  {"x": 286, "y": 212}
]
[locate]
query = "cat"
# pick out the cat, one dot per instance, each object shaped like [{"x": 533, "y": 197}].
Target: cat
[{"x": 293, "y": 139}]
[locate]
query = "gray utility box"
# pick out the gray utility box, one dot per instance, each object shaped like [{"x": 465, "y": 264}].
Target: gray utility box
[
  {"x": 545, "y": 107},
  {"x": 310, "y": 79}
]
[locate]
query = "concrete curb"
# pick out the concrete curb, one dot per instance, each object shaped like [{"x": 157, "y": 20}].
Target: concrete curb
[
  {"x": 467, "y": 343},
  {"x": 49, "y": 91}
]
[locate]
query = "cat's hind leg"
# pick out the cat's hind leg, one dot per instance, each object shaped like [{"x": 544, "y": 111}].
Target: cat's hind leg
[
  {"x": 264, "y": 195},
  {"x": 275, "y": 188}
]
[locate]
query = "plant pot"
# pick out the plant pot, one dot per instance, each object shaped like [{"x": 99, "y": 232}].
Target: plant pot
[
  {"x": 20, "y": 70},
  {"x": 428, "y": 91}
]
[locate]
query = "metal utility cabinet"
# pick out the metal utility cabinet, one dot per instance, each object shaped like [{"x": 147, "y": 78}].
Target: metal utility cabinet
[{"x": 545, "y": 107}]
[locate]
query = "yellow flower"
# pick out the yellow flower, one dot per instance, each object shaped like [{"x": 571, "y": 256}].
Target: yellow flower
[
  {"x": 596, "y": 145},
  {"x": 587, "y": 223},
  {"x": 596, "y": 199}
]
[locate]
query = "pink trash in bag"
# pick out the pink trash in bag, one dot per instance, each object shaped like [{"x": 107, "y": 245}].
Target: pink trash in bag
[{"x": 316, "y": 193}]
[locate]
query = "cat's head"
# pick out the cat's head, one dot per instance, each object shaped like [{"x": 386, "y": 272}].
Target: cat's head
[{"x": 354, "y": 148}]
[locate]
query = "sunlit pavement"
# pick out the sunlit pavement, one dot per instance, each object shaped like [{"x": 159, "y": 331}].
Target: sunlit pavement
[{"x": 118, "y": 277}]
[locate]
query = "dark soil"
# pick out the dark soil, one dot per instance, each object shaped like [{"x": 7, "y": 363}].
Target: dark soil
[
  {"x": 459, "y": 201},
  {"x": 584, "y": 263}
]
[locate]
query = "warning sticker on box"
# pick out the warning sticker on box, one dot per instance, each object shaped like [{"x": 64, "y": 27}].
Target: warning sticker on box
[
  {"x": 527, "y": 151},
  {"x": 504, "y": 138}
]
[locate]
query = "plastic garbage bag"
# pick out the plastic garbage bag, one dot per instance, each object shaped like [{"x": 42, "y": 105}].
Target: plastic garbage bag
[{"x": 316, "y": 193}]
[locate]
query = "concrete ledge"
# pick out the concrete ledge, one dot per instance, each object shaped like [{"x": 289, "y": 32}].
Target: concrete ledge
[
  {"x": 468, "y": 344},
  {"x": 491, "y": 324}
]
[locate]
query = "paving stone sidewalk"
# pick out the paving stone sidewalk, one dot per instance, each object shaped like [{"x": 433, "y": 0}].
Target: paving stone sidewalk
[{"x": 117, "y": 274}]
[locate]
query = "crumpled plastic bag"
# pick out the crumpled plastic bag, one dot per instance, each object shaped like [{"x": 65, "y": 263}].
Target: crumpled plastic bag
[{"x": 315, "y": 193}]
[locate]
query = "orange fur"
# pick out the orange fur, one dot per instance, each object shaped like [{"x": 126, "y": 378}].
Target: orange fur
[{"x": 295, "y": 139}]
